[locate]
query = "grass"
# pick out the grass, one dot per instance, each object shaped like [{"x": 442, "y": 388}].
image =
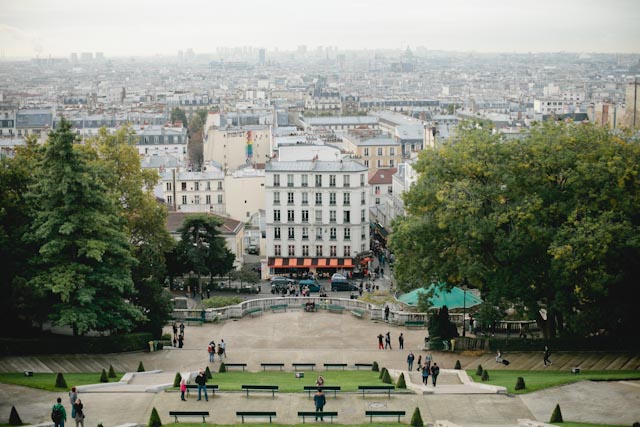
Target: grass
[
  {"x": 45, "y": 381},
  {"x": 539, "y": 380},
  {"x": 286, "y": 381},
  {"x": 283, "y": 425},
  {"x": 577, "y": 424}
]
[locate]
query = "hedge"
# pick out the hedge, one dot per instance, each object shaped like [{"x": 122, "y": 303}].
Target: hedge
[{"x": 64, "y": 344}]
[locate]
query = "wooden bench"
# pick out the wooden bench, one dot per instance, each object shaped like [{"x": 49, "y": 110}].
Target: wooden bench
[
  {"x": 235, "y": 365},
  {"x": 196, "y": 320},
  {"x": 334, "y": 365},
  {"x": 256, "y": 414},
  {"x": 210, "y": 387},
  {"x": 295, "y": 365},
  {"x": 376, "y": 388},
  {"x": 372, "y": 414},
  {"x": 271, "y": 365},
  {"x": 255, "y": 311},
  {"x": 335, "y": 308},
  {"x": 277, "y": 307},
  {"x": 334, "y": 388},
  {"x": 317, "y": 415},
  {"x": 414, "y": 324},
  {"x": 272, "y": 388},
  {"x": 358, "y": 313},
  {"x": 364, "y": 365},
  {"x": 177, "y": 414}
]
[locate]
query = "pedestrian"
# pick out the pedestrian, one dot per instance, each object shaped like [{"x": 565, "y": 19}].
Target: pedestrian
[
  {"x": 201, "y": 380},
  {"x": 320, "y": 381},
  {"x": 180, "y": 341},
  {"x": 58, "y": 414},
  {"x": 320, "y": 400},
  {"x": 425, "y": 373},
  {"x": 211, "y": 349},
  {"x": 183, "y": 389},
  {"x": 401, "y": 341},
  {"x": 386, "y": 313},
  {"x": 223, "y": 346},
  {"x": 546, "y": 355},
  {"x": 387, "y": 341},
  {"x": 435, "y": 371},
  {"x": 220, "y": 351},
  {"x": 175, "y": 330},
  {"x": 419, "y": 362},
  {"x": 498, "y": 357},
  {"x": 73, "y": 396},
  {"x": 182, "y": 328},
  {"x": 428, "y": 358},
  {"x": 410, "y": 359},
  {"x": 78, "y": 409},
  {"x": 380, "y": 344}
]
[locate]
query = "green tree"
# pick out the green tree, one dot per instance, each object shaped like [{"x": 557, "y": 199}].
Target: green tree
[
  {"x": 545, "y": 223},
  {"x": 154, "y": 418},
  {"x": 84, "y": 257},
  {"x": 416, "y": 418},
  {"x": 196, "y": 123},
  {"x": 178, "y": 115}
]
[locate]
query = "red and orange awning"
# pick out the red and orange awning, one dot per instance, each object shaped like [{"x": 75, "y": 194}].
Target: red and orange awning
[{"x": 275, "y": 262}]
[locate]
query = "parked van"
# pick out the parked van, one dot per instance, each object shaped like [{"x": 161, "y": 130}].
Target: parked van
[
  {"x": 342, "y": 285},
  {"x": 313, "y": 284}
]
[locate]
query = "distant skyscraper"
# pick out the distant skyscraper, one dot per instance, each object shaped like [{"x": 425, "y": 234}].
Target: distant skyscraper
[{"x": 262, "y": 56}]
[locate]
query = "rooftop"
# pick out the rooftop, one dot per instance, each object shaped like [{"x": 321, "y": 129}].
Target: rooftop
[{"x": 316, "y": 166}]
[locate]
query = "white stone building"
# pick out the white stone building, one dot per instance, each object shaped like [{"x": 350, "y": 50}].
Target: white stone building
[{"x": 194, "y": 191}]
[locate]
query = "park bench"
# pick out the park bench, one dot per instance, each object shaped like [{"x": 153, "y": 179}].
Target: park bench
[
  {"x": 363, "y": 365},
  {"x": 317, "y": 415},
  {"x": 335, "y": 308},
  {"x": 177, "y": 414},
  {"x": 194, "y": 320},
  {"x": 334, "y": 388},
  {"x": 256, "y": 414},
  {"x": 277, "y": 307},
  {"x": 335, "y": 365},
  {"x": 376, "y": 388},
  {"x": 271, "y": 365},
  {"x": 358, "y": 313},
  {"x": 272, "y": 388},
  {"x": 372, "y": 414},
  {"x": 414, "y": 324},
  {"x": 296, "y": 365},
  {"x": 210, "y": 387},
  {"x": 255, "y": 311},
  {"x": 235, "y": 365}
]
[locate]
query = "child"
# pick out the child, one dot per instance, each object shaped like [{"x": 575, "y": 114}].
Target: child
[{"x": 183, "y": 388}]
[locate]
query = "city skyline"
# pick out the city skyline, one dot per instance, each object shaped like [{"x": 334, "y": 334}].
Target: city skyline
[{"x": 41, "y": 28}]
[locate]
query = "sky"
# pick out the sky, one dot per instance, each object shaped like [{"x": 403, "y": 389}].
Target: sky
[{"x": 30, "y": 28}]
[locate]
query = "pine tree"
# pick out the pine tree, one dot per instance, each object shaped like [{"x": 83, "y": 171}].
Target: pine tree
[
  {"x": 140, "y": 367},
  {"x": 382, "y": 372},
  {"x": 416, "y": 418},
  {"x": 401, "y": 382},
  {"x": 485, "y": 375},
  {"x": 386, "y": 378},
  {"x": 177, "y": 379},
  {"x": 207, "y": 373},
  {"x": 60, "y": 382},
  {"x": 458, "y": 365},
  {"x": 374, "y": 367},
  {"x": 520, "y": 384},
  {"x": 103, "y": 377},
  {"x": 14, "y": 418},
  {"x": 223, "y": 368},
  {"x": 112, "y": 373},
  {"x": 154, "y": 419},
  {"x": 556, "y": 416},
  {"x": 479, "y": 370}
]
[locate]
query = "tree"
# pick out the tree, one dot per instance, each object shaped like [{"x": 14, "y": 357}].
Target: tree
[
  {"x": 178, "y": 115},
  {"x": 556, "y": 416},
  {"x": 60, "y": 382},
  {"x": 154, "y": 418},
  {"x": 545, "y": 223},
  {"x": 416, "y": 418},
  {"x": 83, "y": 264},
  {"x": 103, "y": 377},
  {"x": 177, "y": 379},
  {"x": 14, "y": 418}
]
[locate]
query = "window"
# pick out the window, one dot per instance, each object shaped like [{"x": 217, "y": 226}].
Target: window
[
  {"x": 332, "y": 216},
  {"x": 362, "y": 247},
  {"x": 347, "y": 251},
  {"x": 292, "y": 250},
  {"x": 362, "y": 232},
  {"x": 318, "y": 198},
  {"x": 276, "y": 197},
  {"x": 208, "y": 185},
  {"x": 377, "y": 189},
  {"x": 305, "y": 233},
  {"x": 219, "y": 199},
  {"x": 390, "y": 189},
  {"x": 362, "y": 215},
  {"x": 361, "y": 180},
  {"x": 332, "y": 199},
  {"x": 169, "y": 200},
  {"x": 366, "y": 151},
  {"x": 392, "y": 151},
  {"x": 184, "y": 200},
  {"x": 276, "y": 215},
  {"x": 363, "y": 198},
  {"x": 332, "y": 233},
  {"x": 333, "y": 250},
  {"x": 305, "y": 215},
  {"x": 332, "y": 180},
  {"x": 318, "y": 180},
  {"x": 196, "y": 186},
  {"x": 377, "y": 200},
  {"x": 196, "y": 199},
  {"x": 318, "y": 250},
  {"x": 290, "y": 198},
  {"x": 347, "y": 234},
  {"x": 392, "y": 163},
  {"x": 276, "y": 233},
  {"x": 290, "y": 180},
  {"x": 346, "y": 199},
  {"x": 346, "y": 218},
  {"x": 208, "y": 199},
  {"x": 276, "y": 180},
  {"x": 291, "y": 217},
  {"x": 291, "y": 233},
  {"x": 379, "y": 163},
  {"x": 168, "y": 186},
  {"x": 184, "y": 186},
  {"x": 305, "y": 250},
  {"x": 318, "y": 233},
  {"x": 305, "y": 198},
  {"x": 366, "y": 163},
  {"x": 346, "y": 180},
  {"x": 318, "y": 215},
  {"x": 305, "y": 180},
  {"x": 219, "y": 185},
  {"x": 276, "y": 250}
]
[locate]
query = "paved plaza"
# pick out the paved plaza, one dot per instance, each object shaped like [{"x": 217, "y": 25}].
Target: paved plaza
[{"x": 297, "y": 336}]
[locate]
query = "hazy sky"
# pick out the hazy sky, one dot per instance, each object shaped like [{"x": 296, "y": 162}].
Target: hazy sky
[{"x": 136, "y": 27}]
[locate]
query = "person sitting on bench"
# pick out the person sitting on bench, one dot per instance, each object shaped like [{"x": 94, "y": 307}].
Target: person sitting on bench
[{"x": 498, "y": 357}]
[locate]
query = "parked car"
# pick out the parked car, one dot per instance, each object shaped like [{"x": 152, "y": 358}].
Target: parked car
[
  {"x": 253, "y": 249},
  {"x": 338, "y": 276},
  {"x": 342, "y": 285},
  {"x": 279, "y": 283},
  {"x": 313, "y": 284}
]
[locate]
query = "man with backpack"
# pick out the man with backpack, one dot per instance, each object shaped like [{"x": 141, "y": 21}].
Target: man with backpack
[{"x": 58, "y": 414}]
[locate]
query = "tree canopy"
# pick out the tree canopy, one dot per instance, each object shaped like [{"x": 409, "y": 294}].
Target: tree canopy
[{"x": 548, "y": 222}]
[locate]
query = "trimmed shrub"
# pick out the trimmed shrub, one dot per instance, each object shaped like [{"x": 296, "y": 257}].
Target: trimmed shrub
[
  {"x": 416, "y": 418},
  {"x": 375, "y": 367},
  {"x": 177, "y": 379},
  {"x": 154, "y": 419},
  {"x": 382, "y": 372},
  {"x": 485, "y": 375},
  {"x": 386, "y": 378},
  {"x": 479, "y": 370},
  {"x": 112, "y": 373},
  {"x": 207, "y": 373},
  {"x": 140, "y": 367},
  {"x": 401, "y": 382},
  {"x": 520, "y": 384},
  {"x": 458, "y": 365},
  {"x": 60, "y": 382},
  {"x": 556, "y": 416},
  {"x": 14, "y": 418},
  {"x": 103, "y": 377},
  {"x": 223, "y": 368}
]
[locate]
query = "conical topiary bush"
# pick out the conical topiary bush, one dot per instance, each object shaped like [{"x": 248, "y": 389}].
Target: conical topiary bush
[
  {"x": 207, "y": 373},
  {"x": 103, "y": 377},
  {"x": 382, "y": 372},
  {"x": 479, "y": 370},
  {"x": 556, "y": 416},
  {"x": 458, "y": 365},
  {"x": 485, "y": 375},
  {"x": 223, "y": 368},
  {"x": 401, "y": 382},
  {"x": 416, "y": 419},
  {"x": 14, "y": 418},
  {"x": 520, "y": 384},
  {"x": 177, "y": 379},
  {"x": 112, "y": 373},
  {"x": 374, "y": 367},
  {"x": 140, "y": 367},
  {"x": 386, "y": 378},
  {"x": 60, "y": 382},
  {"x": 154, "y": 419}
]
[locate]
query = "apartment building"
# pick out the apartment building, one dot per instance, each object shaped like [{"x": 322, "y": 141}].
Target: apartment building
[
  {"x": 194, "y": 191},
  {"x": 375, "y": 153},
  {"x": 153, "y": 140}
]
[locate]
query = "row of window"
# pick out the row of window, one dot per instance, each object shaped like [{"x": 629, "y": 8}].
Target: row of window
[
  {"x": 380, "y": 163},
  {"x": 196, "y": 186},
  {"x": 332, "y": 231},
  {"x": 346, "y": 198},
  {"x": 380, "y": 151},
  {"x": 196, "y": 200},
  {"x": 304, "y": 180},
  {"x": 333, "y": 250},
  {"x": 291, "y": 216}
]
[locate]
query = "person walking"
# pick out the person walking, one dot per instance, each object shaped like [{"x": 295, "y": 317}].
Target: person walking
[
  {"x": 211, "y": 349},
  {"x": 386, "y": 313},
  {"x": 410, "y": 359},
  {"x": 78, "y": 409},
  {"x": 58, "y": 413},
  {"x": 435, "y": 371},
  {"x": 425, "y": 374},
  {"x": 419, "y": 362},
  {"x": 182, "y": 328},
  {"x": 387, "y": 341},
  {"x": 401, "y": 341},
  {"x": 175, "y": 331},
  {"x": 380, "y": 344},
  {"x": 183, "y": 389},
  {"x": 180, "y": 341},
  {"x": 428, "y": 359},
  {"x": 319, "y": 400},
  {"x": 73, "y": 396},
  {"x": 546, "y": 356},
  {"x": 201, "y": 380},
  {"x": 223, "y": 346}
]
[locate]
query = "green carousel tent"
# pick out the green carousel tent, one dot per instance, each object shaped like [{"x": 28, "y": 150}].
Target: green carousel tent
[{"x": 453, "y": 298}]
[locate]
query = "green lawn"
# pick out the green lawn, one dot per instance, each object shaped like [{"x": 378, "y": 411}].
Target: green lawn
[
  {"x": 326, "y": 422},
  {"x": 47, "y": 381},
  {"x": 538, "y": 380}
]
